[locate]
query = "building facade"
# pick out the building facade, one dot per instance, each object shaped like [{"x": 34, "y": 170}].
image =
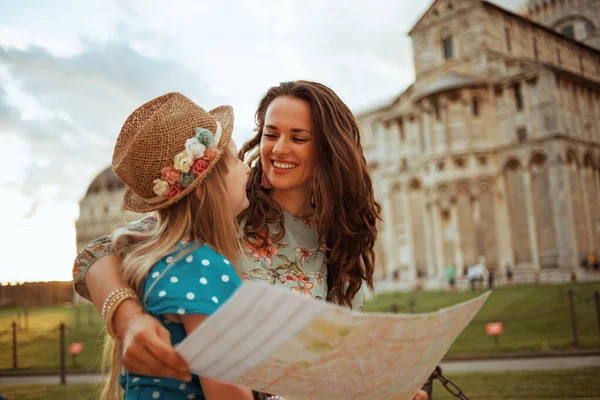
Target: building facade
[
  {"x": 493, "y": 153},
  {"x": 100, "y": 210}
]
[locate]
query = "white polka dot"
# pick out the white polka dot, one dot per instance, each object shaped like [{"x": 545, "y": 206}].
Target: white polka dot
[
  {"x": 155, "y": 274},
  {"x": 137, "y": 388},
  {"x": 214, "y": 299},
  {"x": 169, "y": 259},
  {"x": 203, "y": 281},
  {"x": 190, "y": 296},
  {"x": 189, "y": 258},
  {"x": 135, "y": 380},
  {"x": 226, "y": 261},
  {"x": 162, "y": 293},
  {"x": 174, "y": 279},
  {"x": 191, "y": 396},
  {"x": 181, "y": 311},
  {"x": 225, "y": 278},
  {"x": 157, "y": 380},
  {"x": 182, "y": 386},
  {"x": 205, "y": 262},
  {"x": 155, "y": 395}
]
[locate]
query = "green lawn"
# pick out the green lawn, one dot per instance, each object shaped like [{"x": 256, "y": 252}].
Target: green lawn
[
  {"x": 39, "y": 344},
  {"x": 560, "y": 384},
  {"x": 535, "y": 318}
]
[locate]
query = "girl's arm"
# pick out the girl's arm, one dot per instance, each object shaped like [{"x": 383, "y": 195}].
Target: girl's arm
[
  {"x": 147, "y": 344},
  {"x": 212, "y": 389}
]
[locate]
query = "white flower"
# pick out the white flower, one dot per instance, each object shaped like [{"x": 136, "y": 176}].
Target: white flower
[
  {"x": 161, "y": 188},
  {"x": 194, "y": 148},
  {"x": 182, "y": 162}
]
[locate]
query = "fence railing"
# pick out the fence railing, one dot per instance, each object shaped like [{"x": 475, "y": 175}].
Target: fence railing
[{"x": 77, "y": 346}]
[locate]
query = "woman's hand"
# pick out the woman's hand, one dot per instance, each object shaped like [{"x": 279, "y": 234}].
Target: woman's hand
[
  {"x": 147, "y": 346},
  {"x": 421, "y": 395}
]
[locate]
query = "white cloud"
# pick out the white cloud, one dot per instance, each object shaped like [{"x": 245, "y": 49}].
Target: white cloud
[{"x": 15, "y": 158}]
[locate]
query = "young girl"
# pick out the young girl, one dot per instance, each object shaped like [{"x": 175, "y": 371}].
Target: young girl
[{"x": 177, "y": 160}]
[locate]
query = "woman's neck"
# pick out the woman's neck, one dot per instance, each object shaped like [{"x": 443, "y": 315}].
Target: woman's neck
[{"x": 294, "y": 201}]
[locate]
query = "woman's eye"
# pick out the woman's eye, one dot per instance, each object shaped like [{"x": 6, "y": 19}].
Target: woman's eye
[
  {"x": 300, "y": 140},
  {"x": 269, "y": 135}
]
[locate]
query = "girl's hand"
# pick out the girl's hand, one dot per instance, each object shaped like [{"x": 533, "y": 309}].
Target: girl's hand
[
  {"x": 147, "y": 346},
  {"x": 421, "y": 395}
]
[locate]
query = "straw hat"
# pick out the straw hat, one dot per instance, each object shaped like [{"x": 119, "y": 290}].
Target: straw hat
[{"x": 166, "y": 148}]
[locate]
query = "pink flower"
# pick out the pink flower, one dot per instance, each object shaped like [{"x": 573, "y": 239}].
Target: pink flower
[
  {"x": 210, "y": 153},
  {"x": 199, "y": 166},
  {"x": 170, "y": 175},
  {"x": 174, "y": 190}
]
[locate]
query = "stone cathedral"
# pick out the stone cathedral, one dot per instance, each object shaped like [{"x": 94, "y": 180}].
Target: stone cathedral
[{"x": 493, "y": 153}]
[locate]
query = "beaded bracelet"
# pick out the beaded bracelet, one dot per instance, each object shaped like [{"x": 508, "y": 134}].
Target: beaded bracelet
[
  {"x": 110, "y": 298},
  {"x": 112, "y": 302}
]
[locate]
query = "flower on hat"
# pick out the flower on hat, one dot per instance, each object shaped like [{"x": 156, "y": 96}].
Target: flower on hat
[
  {"x": 210, "y": 153},
  {"x": 205, "y": 136},
  {"x": 161, "y": 188},
  {"x": 170, "y": 175},
  {"x": 174, "y": 190},
  {"x": 199, "y": 166},
  {"x": 194, "y": 148},
  {"x": 182, "y": 162},
  {"x": 186, "y": 180}
]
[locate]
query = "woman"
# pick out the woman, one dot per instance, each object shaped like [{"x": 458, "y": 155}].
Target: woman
[{"x": 311, "y": 224}]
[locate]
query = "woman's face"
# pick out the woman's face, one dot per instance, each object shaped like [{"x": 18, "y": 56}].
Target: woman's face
[
  {"x": 235, "y": 180},
  {"x": 287, "y": 144}
]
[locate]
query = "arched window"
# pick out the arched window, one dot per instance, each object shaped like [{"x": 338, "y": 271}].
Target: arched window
[
  {"x": 447, "y": 44},
  {"x": 475, "y": 105}
]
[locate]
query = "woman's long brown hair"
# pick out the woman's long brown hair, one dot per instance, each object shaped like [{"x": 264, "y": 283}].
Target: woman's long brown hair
[{"x": 345, "y": 208}]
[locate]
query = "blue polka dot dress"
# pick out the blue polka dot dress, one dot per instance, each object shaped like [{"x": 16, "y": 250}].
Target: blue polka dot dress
[{"x": 197, "y": 283}]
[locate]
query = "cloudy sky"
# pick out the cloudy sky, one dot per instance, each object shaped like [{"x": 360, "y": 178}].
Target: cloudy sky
[{"x": 71, "y": 72}]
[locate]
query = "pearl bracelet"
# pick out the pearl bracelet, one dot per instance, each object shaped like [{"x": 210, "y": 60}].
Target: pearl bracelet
[
  {"x": 111, "y": 297},
  {"x": 275, "y": 397}
]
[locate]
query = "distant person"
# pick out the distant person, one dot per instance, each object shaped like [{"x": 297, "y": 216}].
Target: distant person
[
  {"x": 593, "y": 261},
  {"x": 509, "y": 275},
  {"x": 476, "y": 274},
  {"x": 490, "y": 278},
  {"x": 451, "y": 276}
]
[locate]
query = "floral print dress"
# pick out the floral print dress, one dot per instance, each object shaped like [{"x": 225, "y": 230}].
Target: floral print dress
[{"x": 294, "y": 263}]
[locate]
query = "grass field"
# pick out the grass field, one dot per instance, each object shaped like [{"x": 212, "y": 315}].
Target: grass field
[
  {"x": 39, "y": 345},
  {"x": 560, "y": 384},
  {"x": 536, "y": 318}
]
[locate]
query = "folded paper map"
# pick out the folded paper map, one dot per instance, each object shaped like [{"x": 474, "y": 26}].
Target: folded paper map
[{"x": 284, "y": 343}]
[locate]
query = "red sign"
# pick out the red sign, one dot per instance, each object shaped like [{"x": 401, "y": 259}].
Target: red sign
[
  {"x": 75, "y": 348},
  {"x": 494, "y": 329}
]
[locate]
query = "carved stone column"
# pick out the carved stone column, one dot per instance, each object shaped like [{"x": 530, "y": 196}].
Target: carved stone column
[
  {"x": 531, "y": 223},
  {"x": 506, "y": 254}
]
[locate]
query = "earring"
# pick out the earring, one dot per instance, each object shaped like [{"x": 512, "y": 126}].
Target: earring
[
  {"x": 312, "y": 200},
  {"x": 265, "y": 183}
]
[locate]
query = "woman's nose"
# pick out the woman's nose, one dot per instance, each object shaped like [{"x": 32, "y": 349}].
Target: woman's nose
[{"x": 281, "y": 147}]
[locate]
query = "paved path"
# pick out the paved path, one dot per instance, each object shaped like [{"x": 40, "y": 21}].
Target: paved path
[{"x": 543, "y": 363}]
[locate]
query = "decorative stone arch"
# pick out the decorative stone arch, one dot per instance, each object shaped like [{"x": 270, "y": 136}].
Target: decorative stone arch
[
  {"x": 463, "y": 186},
  {"x": 572, "y": 157},
  {"x": 485, "y": 185},
  {"x": 512, "y": 163},
  {"x": 588, "y": 161},
  {"x": 537, "y": 159},
  {"x": 415, "y": 184},
  {"x": 590, "y": 27}
]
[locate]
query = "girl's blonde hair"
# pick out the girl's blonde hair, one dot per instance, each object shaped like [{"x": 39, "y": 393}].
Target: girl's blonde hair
[{"x": 204, "y": 216}]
